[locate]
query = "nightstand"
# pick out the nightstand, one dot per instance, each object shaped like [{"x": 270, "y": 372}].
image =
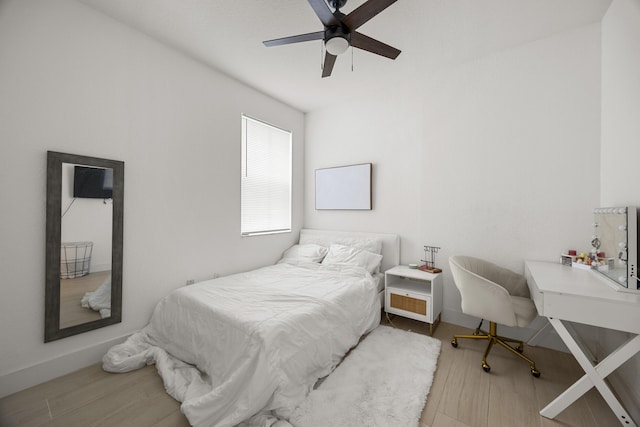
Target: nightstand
[{"x": 413, "y": 293}]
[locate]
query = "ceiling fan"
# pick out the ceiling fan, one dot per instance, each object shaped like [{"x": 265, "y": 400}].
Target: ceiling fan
[{"x": 340, "y": 31}]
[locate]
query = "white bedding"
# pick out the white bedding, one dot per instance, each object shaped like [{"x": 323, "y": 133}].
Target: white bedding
[
  {"x": 378, "y": 279},
  {"x": 259, "y": 339},
  {"x": 100, "y": 299}
]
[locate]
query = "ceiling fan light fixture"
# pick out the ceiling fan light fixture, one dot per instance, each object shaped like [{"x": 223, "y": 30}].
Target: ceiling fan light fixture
[{"x": 337, "y": 45}]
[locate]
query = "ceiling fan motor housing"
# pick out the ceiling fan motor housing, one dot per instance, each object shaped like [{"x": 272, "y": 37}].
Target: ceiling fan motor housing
[{"x": 337, "y": 4}]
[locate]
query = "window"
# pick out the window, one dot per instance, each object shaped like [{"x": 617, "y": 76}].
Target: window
[{"x": 266, "y": 178}]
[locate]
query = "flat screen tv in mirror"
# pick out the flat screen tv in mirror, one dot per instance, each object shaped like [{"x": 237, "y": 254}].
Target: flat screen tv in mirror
[
  {"x": 344, "y": 187},
  {"x": 616, "y": 242},
  {"x": 92, "y": 183}
]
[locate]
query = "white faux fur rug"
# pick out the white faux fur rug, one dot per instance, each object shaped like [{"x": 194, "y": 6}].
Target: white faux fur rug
[{"x": 383, "y": 382}]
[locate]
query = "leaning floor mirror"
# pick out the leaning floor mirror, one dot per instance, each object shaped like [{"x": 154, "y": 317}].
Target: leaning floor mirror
[{"x": 83, "y": 289}]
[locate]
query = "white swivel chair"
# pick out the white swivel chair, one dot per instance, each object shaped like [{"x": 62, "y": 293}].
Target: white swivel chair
[{"x": 498, "y": 295}]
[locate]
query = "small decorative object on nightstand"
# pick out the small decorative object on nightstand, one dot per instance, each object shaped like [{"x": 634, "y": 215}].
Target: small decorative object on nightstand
[
  {"x": 430, "y": 260},
  {"x": 414, "y": 294}
]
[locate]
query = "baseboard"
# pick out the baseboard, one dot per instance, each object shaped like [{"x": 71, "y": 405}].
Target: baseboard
[{"x": 53, "y": 368}]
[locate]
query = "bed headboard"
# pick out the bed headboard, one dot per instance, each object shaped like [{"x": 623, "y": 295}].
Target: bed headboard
[{"x": 390, "y": 242}]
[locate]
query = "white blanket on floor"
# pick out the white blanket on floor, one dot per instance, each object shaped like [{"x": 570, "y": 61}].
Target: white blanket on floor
[
  {"x": 100, "y": 299},
  {"x": 252, "y": 344}
]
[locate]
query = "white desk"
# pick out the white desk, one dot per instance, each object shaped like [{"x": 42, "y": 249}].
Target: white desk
[{"x": 564, "y": 294}]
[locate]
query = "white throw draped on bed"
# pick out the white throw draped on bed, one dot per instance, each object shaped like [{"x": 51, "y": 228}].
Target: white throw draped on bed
[{"x": 259, "y": 339}]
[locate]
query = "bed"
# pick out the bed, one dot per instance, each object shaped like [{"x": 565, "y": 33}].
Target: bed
[{"x": 247, "y": 348}]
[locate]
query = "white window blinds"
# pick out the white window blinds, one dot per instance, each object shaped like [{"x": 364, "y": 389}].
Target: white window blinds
[{"x": 266, "y": 178}]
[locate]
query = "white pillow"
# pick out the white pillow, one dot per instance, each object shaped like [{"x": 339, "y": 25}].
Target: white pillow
[
  {"x": 366, "y": 244},
  {"x": 307, "y": 252},
  {"x": 340, "y": 254}
]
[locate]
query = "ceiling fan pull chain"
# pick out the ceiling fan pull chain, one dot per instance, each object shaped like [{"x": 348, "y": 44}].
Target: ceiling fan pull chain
[{"x": 352, "y": 59}]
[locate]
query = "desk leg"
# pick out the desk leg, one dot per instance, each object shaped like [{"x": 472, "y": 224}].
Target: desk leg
[{"x": 594, "y": 375}]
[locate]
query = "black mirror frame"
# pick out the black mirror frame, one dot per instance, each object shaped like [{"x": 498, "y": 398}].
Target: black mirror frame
[{"x": 55, "y": 160}]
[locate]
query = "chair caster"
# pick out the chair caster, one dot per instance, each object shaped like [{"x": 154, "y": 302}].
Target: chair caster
[
  {"x": 486, "y": 367},
  {"x": 535, "y": 372},
  {"x": 454, "y": 343}
]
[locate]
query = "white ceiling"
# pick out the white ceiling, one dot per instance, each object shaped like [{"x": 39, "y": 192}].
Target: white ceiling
[{"x": 227, "y": 35}]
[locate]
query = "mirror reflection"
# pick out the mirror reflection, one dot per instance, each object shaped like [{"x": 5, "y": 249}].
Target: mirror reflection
[
  {"x": 611, "y": 241},
  {"x": 85, "y": 198},
  {"x": 85, "y": 248}
]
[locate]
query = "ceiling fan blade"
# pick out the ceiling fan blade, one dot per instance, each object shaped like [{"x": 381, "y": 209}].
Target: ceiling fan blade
[
  {"x": 324, "y": 13},
  {"x": 363, "y": 42},
  {"x": 365, "y": 12},
  {"x": 318, "y": 35},
  {"x": 329, "y": 60}
]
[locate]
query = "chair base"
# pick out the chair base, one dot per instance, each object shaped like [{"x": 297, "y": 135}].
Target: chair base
[{"x": 494, "y": 338}]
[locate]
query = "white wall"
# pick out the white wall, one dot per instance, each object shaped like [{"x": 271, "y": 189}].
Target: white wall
[
  {"x": 73, "y": 80},
  {"x": 496, "y": 157},
  {"x": 620, "y": 150}
]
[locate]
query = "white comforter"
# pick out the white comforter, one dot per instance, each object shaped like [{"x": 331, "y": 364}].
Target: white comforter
[
  {"x": 100, "y": 299},
  {"x": 259, "y": 340}
]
